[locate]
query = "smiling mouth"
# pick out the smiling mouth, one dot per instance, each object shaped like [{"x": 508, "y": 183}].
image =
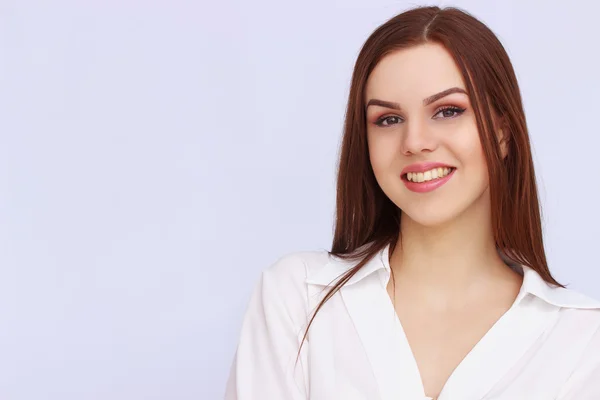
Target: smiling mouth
[{"x": 427, "y": 176}]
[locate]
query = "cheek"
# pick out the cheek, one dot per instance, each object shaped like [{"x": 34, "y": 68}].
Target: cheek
[
  {"x": 473, "y": 160},
  {"x": 381, "y": 153},
  {"x": 469, "y": 150}
]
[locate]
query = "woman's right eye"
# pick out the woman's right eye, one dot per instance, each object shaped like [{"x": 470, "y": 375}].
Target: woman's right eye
[{"x": 388, "y": 121}]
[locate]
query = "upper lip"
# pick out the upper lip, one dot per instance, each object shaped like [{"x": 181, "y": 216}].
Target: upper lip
[{"x": 425, "y": 166}]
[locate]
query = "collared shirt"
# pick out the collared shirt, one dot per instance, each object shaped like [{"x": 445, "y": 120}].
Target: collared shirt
[{"x": 546, "y": 346}]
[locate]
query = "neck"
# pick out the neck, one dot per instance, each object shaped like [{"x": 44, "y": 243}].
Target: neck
[{"x": 448, "y": 258}]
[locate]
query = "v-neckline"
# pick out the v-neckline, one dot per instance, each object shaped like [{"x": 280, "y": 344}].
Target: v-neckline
[
  {"x": 394, "y": 363},
  {"x": 455, "y": 371}
]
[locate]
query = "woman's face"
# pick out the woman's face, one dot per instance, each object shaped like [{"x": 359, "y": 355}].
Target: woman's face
[{"x": 423, "y": 141}]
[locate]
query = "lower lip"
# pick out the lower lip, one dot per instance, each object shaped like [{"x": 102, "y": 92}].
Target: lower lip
[{"x": 428, "y": 186}]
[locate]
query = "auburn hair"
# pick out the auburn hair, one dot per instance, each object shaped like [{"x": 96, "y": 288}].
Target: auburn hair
[{"x": 366, "y": 219}]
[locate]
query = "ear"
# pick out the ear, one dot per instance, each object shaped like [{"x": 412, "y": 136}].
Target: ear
[
  {"x": 503, "y": 142},
  {"x": 503, "y": 138}
]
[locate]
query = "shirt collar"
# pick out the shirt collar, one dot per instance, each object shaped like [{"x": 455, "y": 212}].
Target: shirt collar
[
  {"x": 533, "y": 284},
  {"x": 328, "y": 274}
]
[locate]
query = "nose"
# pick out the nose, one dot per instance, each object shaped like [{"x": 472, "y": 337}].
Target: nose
[{"x": 417, "y": 138}]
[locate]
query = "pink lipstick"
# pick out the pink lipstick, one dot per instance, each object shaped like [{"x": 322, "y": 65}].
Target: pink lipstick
[{"x": 426, "y": 177}]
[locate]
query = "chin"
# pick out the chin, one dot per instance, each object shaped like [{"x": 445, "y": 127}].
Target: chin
[
  {"x": 430, "y": 217},
  {"x": 444, "y": 209}
]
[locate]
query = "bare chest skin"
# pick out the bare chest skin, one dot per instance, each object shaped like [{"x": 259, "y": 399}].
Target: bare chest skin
[{"x": 441, "y": 337}]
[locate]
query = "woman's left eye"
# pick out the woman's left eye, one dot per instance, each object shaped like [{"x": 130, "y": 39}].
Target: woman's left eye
[{"x": 450, "y": 112}]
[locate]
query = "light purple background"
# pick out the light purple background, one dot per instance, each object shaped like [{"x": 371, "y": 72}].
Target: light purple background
[{"x": 155, "y": 156}]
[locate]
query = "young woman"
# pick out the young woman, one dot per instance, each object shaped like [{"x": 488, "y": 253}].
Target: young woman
[{"x": 436, "y": 286}]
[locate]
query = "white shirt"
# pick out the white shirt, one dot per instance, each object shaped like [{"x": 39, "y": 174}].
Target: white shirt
[{"x": 546, "y": 346}]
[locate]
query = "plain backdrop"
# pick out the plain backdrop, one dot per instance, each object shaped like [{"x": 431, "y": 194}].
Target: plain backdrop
[{"x": 155, "y": 156}]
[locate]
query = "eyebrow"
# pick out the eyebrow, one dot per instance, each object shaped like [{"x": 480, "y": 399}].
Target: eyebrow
[{"x": 426, "y": 102}]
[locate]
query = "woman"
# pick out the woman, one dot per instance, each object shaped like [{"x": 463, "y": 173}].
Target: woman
[{"x": 436, "y": 286}]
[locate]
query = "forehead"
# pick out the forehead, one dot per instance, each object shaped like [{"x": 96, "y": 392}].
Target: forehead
[{"x": 413, "y": 74}]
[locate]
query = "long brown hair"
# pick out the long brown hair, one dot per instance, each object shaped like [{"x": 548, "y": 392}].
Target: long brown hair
[{"x": 366, "y": 219}]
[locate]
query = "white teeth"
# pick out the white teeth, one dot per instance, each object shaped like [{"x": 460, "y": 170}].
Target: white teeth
[{"x": 434, "y": 173}]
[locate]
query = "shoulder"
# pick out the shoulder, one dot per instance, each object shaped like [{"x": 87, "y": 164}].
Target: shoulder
[
  {"x": 584, "y": 381},
  {"x": 282, "y": 285},
  {"x": 292, "y": 269},
  {"x": 580, "y": 317},
  {"x": 578, "y": 313}
]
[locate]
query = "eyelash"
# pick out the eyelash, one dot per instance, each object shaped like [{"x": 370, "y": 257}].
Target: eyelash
[{"x": 457, "y": 110}]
